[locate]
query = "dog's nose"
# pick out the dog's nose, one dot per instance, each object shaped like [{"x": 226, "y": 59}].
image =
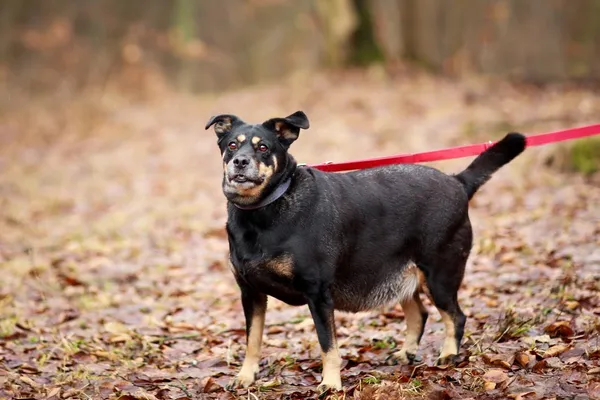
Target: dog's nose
[{"x": 241, "y": 161}]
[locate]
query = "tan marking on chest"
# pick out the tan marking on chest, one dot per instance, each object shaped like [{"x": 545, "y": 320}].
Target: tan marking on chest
[
  {"x": 282, "y": 265},
  {"x": 241, "y": 138},
  {"x": 265, "y": 171}
]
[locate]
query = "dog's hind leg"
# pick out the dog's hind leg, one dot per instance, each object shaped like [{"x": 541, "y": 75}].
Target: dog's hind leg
[
  {"x": 444, "y": 272},
  {"x": 454, "y": 325},
  {"x": 255, "y": 307},
  {"x": 416, "y": 315}
]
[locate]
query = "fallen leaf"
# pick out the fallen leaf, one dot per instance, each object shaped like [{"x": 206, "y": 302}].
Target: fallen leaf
[
  {"x": 539, "y": 366},
  {"x": 495, "y": 375},
  {"x": 556, "y": 350},
  {"x": 520, "y": 396},
  {"x": 121, "y": 338},
  {"x": 209, "y": 385},
  {"x": 522, "y": 358},
  {"x": 271, "y": 330},
  {"x": 115, "y": 327},
  {"x": 71, "y": 393},
  {"x": 594, "y": 371},
  {"x": 28, "y": 369},
  {"x": 66, "y": 316},
  {"x": 560, "y": 328},
  {"x": 29, "y": 381},
  {"x": 54, "y": 392},
  {"x": 499, "y": 360},
  {"x": 531, "y": 340},
  {"x": 69, "y": 280},
  {"x": 572, "y": 305},
  {"x": 554, "y": 362}
]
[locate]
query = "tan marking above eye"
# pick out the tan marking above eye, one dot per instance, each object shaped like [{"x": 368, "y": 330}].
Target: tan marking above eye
[
  {"x": 241, "y": 138},
  {"x": 255, "y": 140}
]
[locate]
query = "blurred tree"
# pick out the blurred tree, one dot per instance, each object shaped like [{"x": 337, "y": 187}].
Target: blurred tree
[
  {"x": 338, "y": 22},
  {"x": 184, "y": 27},
  {"x": 210, "y": 45},
  {"x": 364, "y": 48}
]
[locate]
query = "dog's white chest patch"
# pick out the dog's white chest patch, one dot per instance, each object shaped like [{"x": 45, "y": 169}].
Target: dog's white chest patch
[{"x": 396, "y": 288}]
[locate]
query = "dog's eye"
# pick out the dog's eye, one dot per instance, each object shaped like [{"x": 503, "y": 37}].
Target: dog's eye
[
  {"x": 263, "y": 148},
  {"x": 232, "y": 145}
]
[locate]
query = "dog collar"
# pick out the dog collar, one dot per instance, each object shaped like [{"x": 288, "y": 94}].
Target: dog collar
[{"x": 275, "y": 194}]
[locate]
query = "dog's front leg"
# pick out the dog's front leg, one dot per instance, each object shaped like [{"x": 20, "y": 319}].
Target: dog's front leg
[
  {"x": 321, "y": 309},
  {"x": 255, "y": 306}
]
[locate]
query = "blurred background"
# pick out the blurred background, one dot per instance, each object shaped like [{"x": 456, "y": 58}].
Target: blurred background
[
  {"x": 201, "y": 46},
  {"x": 111, "y": 210}
]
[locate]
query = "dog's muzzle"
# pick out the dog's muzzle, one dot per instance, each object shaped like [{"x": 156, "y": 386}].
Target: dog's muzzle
[{"x": 242, "y": 173}]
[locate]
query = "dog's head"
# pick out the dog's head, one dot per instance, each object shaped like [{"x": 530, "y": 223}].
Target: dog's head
[{"x": 255, "y": 157}]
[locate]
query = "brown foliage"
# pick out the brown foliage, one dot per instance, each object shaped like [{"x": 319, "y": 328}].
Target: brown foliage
[{"x": 113, "y": 256}]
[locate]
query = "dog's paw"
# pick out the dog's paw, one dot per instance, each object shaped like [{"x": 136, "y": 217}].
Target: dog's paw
[
  {"x": 447, "y": 360},
  {"x": 243, "y": 380},
  {"x": 329, "y": 385},
  {"x": 402, "y": 357}
]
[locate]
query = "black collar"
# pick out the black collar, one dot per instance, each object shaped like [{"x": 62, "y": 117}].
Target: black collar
[{"x": 274, "y": 195}]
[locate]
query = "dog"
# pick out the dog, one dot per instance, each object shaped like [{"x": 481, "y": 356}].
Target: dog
[{"x": 345, "y": 241}]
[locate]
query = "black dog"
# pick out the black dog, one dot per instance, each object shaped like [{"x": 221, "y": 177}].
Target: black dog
[{"x": 348, "y": 242}]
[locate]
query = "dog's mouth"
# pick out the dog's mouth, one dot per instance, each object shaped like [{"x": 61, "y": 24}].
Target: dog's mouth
[{"x": 241, "y": 179}]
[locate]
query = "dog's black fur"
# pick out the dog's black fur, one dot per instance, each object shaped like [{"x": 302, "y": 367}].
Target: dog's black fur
[{"x": 346, "y": 241}]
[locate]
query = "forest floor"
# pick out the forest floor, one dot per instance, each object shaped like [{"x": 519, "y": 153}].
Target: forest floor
[{"x": 113, "y": 252}]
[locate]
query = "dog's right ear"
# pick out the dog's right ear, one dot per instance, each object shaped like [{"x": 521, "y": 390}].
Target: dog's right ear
[{"x": 223, "y": 123}]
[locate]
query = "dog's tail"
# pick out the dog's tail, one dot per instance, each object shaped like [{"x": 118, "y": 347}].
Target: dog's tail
[{"x": 488, "y": 162}]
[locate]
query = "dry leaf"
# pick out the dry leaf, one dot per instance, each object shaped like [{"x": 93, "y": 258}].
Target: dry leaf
[
  {"x": 556, "y": 350},
  {"x": 120, "y": 338},
  {"x": 115, "y": 327},
  {"x": 572, "y": 305},
  {"x": 70, "y": 393},
  {"x": 209, "y": 385},
  {"x": 522, "y": 358},
  {"x": 29, "y": 381},
  {"x": 554, "y": 362},
  {"x": 520, "y": 396},
  {"x": 54, "y": 392},
  {"x": 531, "y": 340},
  {"x": 593, "y": 371},
  {"x": 119, "y": 205},
  {"x": 495, "y": 375},
  {"x": 561, "y": 328},
  {"x": 499, "y": 360}
]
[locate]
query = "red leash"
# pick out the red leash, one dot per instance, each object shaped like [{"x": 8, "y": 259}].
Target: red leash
[{"x": 457, "y": 152}]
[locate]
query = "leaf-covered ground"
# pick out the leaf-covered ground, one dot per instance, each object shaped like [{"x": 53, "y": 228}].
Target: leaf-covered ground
[{"x": 114, "y": 282}]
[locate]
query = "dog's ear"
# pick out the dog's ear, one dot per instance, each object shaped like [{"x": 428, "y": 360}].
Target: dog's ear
[
  {"x": 288, "y": 128},
  {"x": 223, "y": 123}
]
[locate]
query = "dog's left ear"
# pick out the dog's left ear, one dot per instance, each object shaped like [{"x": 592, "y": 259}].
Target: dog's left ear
[
  {"x": 288, "y": 128},
  {"x": 223, "y": 123}
]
